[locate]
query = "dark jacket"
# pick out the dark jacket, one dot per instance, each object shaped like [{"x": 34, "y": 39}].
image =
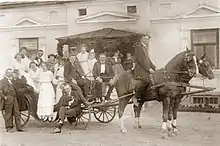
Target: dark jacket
[
  {"x": 65, "y": 99},
  {"x": 97, "y": 70},
  {"x": 128, "y": 64},
  {"x": 38, "y": 60},
  {"x": 6, "y": 90},
  {"x": 142, "y": 62},
  {"x": 73, "y": 71}
]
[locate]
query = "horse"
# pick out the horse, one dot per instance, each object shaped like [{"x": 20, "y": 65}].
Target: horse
[
  {"x": 205, "y": 70},
  {"x": 182, "y": 63}
]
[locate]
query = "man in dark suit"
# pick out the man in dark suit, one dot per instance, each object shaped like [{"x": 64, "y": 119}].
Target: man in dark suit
[
  {"x": 9, "y": 102},
  {"x": 141, "y": 71},
  {"x": 74, "y": 75},
  {"x": 38, "y": 59},
  {"x": 103, "y": 73},
  {"x": 68, "y": 106},
  {"x": 21, "y": 87}
]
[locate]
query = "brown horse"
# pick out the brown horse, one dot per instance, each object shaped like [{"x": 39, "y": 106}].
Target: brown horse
[
  {"x": 205, "y": 70},
  {"x": 182, "y": 63}
]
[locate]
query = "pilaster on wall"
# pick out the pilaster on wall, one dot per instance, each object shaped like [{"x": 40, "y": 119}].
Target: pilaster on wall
[
  {"x": 185, "y": 39},
  {"x": 42, "y": 46}
]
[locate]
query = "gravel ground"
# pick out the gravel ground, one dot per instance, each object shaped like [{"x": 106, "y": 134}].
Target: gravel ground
[{"x": 196, "y": 129}]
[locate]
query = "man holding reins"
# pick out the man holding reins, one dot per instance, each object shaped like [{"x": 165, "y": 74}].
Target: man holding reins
[{"x": 141, "y": 71}]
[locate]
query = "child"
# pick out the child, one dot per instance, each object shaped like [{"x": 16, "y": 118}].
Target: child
[{"x": 46, "y": 94}]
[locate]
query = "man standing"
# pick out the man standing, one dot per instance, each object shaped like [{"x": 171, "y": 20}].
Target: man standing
[
  {"x": 38, "y": 58},
  {"x": 9, "y": 102},
  {"x": 103, "y": 73},
  {"x": 74, "y": 75}
]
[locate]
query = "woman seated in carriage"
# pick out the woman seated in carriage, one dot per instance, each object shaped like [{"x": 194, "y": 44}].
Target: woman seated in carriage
[{"x": 68, "y": 106}]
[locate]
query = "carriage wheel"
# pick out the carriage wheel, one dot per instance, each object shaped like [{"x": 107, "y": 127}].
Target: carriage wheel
[
  {"x": 83, "y": 120},
  {"x": 105, "y": 114},
  {"x": 24, "y": 115}
]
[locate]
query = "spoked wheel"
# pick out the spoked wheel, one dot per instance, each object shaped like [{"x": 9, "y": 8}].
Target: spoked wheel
[
  {"x": 24, "y": 114},
  {"x": 83, "y": 120},
  {"x": 105, "y": 114}
]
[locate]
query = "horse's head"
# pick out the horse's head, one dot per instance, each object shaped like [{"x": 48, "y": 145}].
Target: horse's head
[
  {"x": 189, "y": 63},
  {"x": 205, "y": 67}
]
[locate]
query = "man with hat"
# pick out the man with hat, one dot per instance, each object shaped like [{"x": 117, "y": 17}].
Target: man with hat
[
  {"x": 68, "y": 106},
  {"x": 143, "y": 65},
  {"x": 9, "y": 102}
]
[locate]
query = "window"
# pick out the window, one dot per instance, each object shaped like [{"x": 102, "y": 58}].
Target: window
[
  {"x": 53, "y": 15},
  {"x": 213, "y": 100},
  {"x": 131, "y": 9},
  {"x": 30, "y": 43},
  {"x": 197, "y": 100},
  {"x": 82, "y": 12},
  {"x": 206, "y": 41}
]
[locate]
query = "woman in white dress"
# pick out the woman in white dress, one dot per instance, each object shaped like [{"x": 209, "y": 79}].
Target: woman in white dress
[
  {"x": 20, "y": 64},
  {"x": 91, "y": 61},
  {"x": 46, "y": 98},
  {"x": 59, "y": 78},
  {"x": 34, "y": 74},
  {"x": 83, "y": 59}
]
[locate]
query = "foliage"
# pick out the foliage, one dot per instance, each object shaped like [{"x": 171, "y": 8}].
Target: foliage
[{"x": 101, "y": 45}]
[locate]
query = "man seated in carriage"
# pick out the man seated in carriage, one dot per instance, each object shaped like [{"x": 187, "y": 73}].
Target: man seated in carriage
[
  {"x": 74, "y": 75},
  {"x": 69, "y": 106},
  {"x": 103, "y": 73},
  {"x": 21, "y": 87}
]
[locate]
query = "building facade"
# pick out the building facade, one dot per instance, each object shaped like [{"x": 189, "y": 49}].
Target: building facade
[{"x": 172, "y": 24}]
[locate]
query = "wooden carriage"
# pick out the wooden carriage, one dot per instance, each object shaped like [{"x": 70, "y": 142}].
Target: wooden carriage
[{"x": 105, "y": 40}]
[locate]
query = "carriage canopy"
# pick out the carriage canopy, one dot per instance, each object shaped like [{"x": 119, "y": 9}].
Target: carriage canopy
[{"x": 102, "y": 40}]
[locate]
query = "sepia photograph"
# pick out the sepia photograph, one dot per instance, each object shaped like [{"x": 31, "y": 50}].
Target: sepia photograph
[{"x": 109, "y": 73}]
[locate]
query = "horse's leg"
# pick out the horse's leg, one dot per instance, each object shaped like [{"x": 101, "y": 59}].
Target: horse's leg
[
  {"x": 122, "y": 104},
  {"x": 175, "y": 109},
  {"x": 137, "y": 113},
  {"x": 166, "y": 103},
  {"x": 170, "y": 114}
]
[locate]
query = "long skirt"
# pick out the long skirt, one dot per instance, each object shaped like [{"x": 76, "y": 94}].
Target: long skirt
[{"x": 46, "y": 100}]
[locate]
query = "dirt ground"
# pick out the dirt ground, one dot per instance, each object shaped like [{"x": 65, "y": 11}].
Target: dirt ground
[{"x": 196, "y": 129}]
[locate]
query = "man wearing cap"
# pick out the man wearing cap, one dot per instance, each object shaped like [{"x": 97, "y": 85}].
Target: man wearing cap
[
  {"x": 9, "y": 102},
  {"x": 69, "y": 106}
]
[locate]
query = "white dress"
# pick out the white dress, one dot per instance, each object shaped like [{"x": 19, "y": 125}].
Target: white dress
[
  {"x": 21, "y": 66},
  {"x": 59, "y": 80},
  {"x": 46, "y": 98},
  {"x": 91, "y": 63},
  {"x": 83, "y": 60},
  {"x": 34, "y": 76}
]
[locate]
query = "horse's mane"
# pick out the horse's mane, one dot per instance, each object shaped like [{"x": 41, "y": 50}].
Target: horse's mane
[{"x": 175, "y": 63}]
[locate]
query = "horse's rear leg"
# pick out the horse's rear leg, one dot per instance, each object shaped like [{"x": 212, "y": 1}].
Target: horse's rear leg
[
  {"x": 175, "y": 109},
  {"x": 121, "y": 108},
  {"x": 137, "y": 113},
  {"x": 166, "y": 103}
]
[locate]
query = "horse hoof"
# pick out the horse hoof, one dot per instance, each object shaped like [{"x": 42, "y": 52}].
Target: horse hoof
[
  {"x": 123, "y": 131},
  {"x": 139, "y": 126},
  {"x": 164, "y": 135},
  {"x": 175, "y": 131}
]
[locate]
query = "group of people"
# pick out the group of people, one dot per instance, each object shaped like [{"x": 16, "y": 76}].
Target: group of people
[{"x": 63, "y": 84}]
